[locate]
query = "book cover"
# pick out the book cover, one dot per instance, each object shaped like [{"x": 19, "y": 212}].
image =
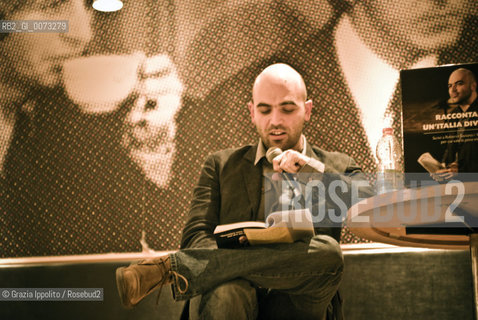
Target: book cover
[
  {"x": 433, "y": 124},
  {"x": 229, "y": 235},
  {"x": 280, "y": 227}
]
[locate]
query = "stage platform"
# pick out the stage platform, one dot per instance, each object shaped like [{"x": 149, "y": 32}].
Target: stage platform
[{"x": 380, "y": 282}]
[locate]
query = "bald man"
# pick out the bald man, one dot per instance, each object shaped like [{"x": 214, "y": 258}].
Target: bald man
[
  {"x": 461, "y": 157},
  {"x": 462, "y": 89},
  {"x": 292, "y": 280}
]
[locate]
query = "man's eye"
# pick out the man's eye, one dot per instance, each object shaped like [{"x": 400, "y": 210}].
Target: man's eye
[
  {"x": 264, "y": 110},
  {"x": 289, "y": 108}
]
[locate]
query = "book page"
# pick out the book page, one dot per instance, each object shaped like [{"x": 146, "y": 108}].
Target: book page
[
  {"x": 269, "y": 235},
  {"x": 239, "y": 225},
  {"x": 294, "y": 219},
  {"x": 283, "y": 227},
  {"x": 429, "y": 163}
]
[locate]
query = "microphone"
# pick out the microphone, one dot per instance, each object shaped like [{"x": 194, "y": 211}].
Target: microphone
[{"x": 273, "y": 152}]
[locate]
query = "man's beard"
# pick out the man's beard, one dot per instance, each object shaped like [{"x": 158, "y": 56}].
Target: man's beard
[
  {"x": 290, "y": 143},
  {"x": 460, "y": 100}
]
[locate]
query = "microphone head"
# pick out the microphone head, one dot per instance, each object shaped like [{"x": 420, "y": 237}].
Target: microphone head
[{"x": 272, "y": 152}]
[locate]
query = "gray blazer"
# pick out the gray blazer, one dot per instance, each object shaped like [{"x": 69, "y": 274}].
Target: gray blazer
[{"x": 229, "y": 191}]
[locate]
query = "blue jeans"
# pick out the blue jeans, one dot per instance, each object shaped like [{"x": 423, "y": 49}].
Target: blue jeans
[{"x": 308, "y": 272}]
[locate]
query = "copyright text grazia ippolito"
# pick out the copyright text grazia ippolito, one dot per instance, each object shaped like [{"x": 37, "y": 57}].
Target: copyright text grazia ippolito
[{"x": 51, "y": 294}]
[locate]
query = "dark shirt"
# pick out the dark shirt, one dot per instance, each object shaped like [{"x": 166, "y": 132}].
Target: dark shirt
[{"x": 464, "y": 151}]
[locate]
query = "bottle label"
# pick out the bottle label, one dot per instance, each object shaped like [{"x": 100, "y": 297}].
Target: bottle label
[{"x": 389, "y": 180}]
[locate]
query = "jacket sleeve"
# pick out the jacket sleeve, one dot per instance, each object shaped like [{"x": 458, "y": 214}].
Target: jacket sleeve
[
  {"x": 358, "y": 185},
  {"x": 343, "y": 184},
  {"x": 339, "y": 168},
  {"x": 204, "y": 209}
]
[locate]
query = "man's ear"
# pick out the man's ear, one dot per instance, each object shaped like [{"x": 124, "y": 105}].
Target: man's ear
[
  {"x": 250, "y": 106},
  {"x": 308, "y": 109}
]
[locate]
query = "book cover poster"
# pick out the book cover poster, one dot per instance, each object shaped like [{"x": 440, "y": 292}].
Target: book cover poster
[{"x": 437, "y": 132}]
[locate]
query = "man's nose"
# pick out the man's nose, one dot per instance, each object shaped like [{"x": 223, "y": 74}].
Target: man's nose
[
  {"x": 79, "y": 28},
  {"x": 276, "y": 117}
]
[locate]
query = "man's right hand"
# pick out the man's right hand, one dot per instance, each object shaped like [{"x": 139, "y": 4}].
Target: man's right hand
[
  {"x": 446, "y": 173},
  {"x": 290, "y": 161}
]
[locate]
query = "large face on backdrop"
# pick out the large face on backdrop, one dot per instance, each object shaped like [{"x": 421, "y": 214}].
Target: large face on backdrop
[
  {"x": 425, "y": 25},
  {"x": 40, "y": 58},
  {"x": 105, "y": 127}
]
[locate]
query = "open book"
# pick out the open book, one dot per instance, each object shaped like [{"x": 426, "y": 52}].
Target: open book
[
  {"x": 429, "y": 163},
  {"x": 280, "y": 227}
]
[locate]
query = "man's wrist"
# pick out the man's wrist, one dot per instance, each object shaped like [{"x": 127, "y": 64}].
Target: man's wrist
[{"x": 313, "y": 165}]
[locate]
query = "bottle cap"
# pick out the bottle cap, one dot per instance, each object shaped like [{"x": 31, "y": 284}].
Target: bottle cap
[{"x": 387, "y": 131}]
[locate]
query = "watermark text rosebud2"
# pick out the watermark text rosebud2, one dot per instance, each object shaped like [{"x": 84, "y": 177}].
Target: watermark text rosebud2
[
  {"x": 334, "y": 199},
  {"x": 51, "y": 294}
]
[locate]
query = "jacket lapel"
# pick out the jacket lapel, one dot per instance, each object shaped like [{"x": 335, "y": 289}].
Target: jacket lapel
[
  {"x": 310, "y": 152},
  {"x": 253, "y": 180}
]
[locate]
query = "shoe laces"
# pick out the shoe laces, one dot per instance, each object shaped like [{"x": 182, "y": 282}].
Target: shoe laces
[{"x": 174, "y": 277}]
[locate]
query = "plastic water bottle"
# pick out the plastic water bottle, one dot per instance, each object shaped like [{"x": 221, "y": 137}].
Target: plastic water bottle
[{"x": 389, "y": 153}]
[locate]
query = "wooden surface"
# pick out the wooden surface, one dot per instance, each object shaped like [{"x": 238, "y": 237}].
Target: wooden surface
[{"x": 385, "y": 218}]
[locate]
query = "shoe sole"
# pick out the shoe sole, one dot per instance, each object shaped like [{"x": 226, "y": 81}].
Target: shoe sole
[{"x": 121, "y": 288}]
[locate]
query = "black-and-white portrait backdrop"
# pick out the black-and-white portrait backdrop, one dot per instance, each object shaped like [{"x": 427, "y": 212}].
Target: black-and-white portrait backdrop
[{"x": 104, "y": 128}]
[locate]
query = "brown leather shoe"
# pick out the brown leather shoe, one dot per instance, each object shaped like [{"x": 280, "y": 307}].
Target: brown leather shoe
[{"x": 138, "y": 280}]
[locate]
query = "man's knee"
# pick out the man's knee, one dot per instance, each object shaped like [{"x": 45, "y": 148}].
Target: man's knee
[
  {"x": 234, "y": 291},
  {"x": 327, "y": 253},
  {"x": 235, "y": 298}
]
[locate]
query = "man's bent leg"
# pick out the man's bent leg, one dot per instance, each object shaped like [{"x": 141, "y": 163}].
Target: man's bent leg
[
  {"x": 235, "y": 299},
  {"x": 309, "y": 272},
  {"x": 311, "y": 286},
  {"x": 276, "y": 305}
]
